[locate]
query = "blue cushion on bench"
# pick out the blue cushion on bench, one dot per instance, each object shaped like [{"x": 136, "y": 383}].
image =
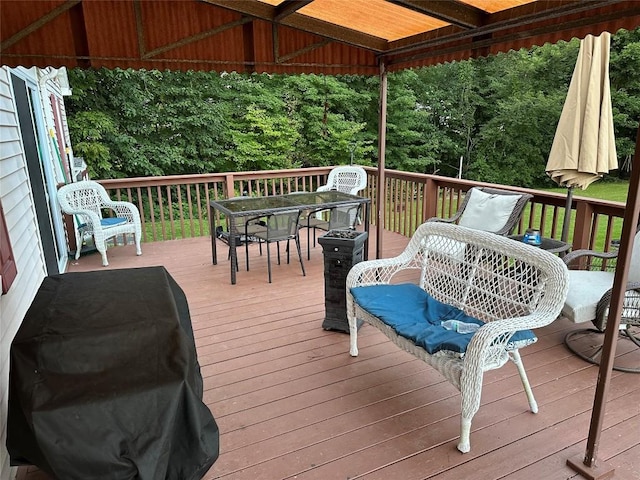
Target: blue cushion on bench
[
  {"x": 417, "y": 316},
  {"x": 112, "y": 221}
]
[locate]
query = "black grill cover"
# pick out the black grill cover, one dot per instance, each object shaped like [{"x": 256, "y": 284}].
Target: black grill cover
[{"x": 105, "y": 382}]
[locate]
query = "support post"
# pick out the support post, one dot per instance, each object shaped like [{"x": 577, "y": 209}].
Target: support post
[
  {"x": 382, "y": 140},
  {"x": 586, "y": 466}
]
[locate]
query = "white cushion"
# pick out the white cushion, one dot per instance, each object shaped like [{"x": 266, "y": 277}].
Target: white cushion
[
  {"x": 634, "y": 266},
  {"x": 487, "y": 211},
  {"x": 585, "y": 291}
]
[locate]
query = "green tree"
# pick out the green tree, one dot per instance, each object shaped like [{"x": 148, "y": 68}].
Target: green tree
[
  {"x": 150, "y": 122},
  {"x": 329, "y": 112},
  {"x": 625, "y": 93},
  {"x": 497, "y": 113}
]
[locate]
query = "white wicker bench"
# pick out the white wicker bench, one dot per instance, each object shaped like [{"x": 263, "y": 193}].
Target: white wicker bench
[{"x": 506, "y": 286}]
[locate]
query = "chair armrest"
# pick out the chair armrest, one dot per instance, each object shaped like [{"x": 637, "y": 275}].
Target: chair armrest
[
  {"x": 584, "y": 255},
  {"x": 451, "y": 219},
  {"x": 125, "y": 209},
  {"x": 87, "y": 216},
  {"x": 377, "y": 272},
  {"x": 488, "y": 346}
]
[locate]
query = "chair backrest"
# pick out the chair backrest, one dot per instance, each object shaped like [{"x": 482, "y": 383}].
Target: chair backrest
[
  {"x": 346, "y": 178},
  {"x": 282, "y": 225},
  {"x": 492, "y": 210},
  {"x": 344, "y": 217},
  {"x": 84, "y": 195}
]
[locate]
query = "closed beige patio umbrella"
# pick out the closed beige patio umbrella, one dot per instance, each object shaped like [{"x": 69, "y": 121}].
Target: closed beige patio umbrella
[{"x": 584, "y": 148}]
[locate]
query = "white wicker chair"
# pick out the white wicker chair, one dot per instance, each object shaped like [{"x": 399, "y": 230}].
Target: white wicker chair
[
  {"x": 344, "y": 178},
  {"x": 86, "y": 200},
  {"x": 506, "y": 285}
]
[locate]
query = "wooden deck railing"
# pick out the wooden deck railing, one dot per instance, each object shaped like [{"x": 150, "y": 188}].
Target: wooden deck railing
[{"x": 177, "y": 206}]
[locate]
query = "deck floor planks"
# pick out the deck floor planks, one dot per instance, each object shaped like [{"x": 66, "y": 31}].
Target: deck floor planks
[{"x": 291, "y": 402}]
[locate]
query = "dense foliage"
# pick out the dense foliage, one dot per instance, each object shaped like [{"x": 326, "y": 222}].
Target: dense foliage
[{"x": 493, "y": 116}]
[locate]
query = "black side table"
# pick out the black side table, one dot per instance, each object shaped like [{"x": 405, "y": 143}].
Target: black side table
[{"x": 549, "y": 244}]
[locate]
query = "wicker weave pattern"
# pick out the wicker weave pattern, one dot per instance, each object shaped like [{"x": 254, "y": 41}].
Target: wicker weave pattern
[
  {"x": 507, "y": 284},
  {"x": 346, "y": 178},
  {"x": 87, "y": 200}
]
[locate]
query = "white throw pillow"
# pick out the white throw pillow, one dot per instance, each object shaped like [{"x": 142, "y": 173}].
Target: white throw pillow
[{"x": 487, "y": 211}]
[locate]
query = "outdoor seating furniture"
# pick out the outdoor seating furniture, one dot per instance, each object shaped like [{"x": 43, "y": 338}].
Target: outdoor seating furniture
[
  {"x": 243, "y": 229},
  {"x": 505, "y": 288},
  {"x": 336, "y": 218},
  {"x": 264, "y": 206},
  {"x": 489, "y": 209},
  {"x": 344, "y": 178},
  {"x": 241, "y": 237},
  {"x": 590, "y": 286},
  {"x": 87, "y": 200},
  {"x": 277, "y": 227}
]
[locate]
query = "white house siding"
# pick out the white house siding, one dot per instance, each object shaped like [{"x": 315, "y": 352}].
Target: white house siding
[{"x": 20, "y": 216}]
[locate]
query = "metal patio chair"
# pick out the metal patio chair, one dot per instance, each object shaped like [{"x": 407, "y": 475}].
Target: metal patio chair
[
  {"x": 277, "y": 227},
  {"x": 489, "y": 209},
  {"x": 590, "y": 288}
]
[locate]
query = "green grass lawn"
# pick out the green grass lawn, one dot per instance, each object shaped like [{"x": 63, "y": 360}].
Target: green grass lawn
[{"x": 613, "y": 191}]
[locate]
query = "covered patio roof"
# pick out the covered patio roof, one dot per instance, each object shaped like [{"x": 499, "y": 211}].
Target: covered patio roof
[
  {"x": 290, "y": 36},
  {"x": 320, "y": 36}
]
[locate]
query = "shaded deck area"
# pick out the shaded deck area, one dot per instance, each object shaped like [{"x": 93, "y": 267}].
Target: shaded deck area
[{"x": 291, "y": 403}]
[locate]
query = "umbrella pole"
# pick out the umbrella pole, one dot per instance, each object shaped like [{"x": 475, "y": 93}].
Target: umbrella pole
[{"x": 567, "y": 215}]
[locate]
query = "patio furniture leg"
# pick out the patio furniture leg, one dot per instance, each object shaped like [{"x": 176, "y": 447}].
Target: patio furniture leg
[
  {"x": 515, "y": 358},
  {"x": 465, "y": 430},
  {"x": 269, "y": 258},
  {"x": 470, "y": 390},
  {"x": 246, "y": 253},
  {"x": 101, "y": 246},
  {"x": 304, "y": 274}
]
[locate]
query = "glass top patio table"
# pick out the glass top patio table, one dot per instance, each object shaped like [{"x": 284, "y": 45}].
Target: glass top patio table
[{"x": 267, "y": 205}]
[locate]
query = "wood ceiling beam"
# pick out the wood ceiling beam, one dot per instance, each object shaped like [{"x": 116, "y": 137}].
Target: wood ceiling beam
[
  {"x": 455, "y": 13},
  {"x": 486, "y": 43},
  {"x": 288, "y": 7},
  {"x": 142, "y": 48},
  {"x": 307, "y": 24},
  {"x": 521, "y": 16},
  {"x": 80, "y": 40},
  {"x": 39, "y": 23},
  {"x": 194, "y": 38}
]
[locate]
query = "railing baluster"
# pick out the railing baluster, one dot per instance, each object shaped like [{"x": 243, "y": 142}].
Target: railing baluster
[{"x": 411, "y": 199}]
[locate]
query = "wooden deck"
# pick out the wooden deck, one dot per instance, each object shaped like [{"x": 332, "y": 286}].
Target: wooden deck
[{"x": 291, "y": 403}]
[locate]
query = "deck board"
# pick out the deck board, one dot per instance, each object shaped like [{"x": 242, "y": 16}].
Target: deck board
[{"x": 291, "y": 403}]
